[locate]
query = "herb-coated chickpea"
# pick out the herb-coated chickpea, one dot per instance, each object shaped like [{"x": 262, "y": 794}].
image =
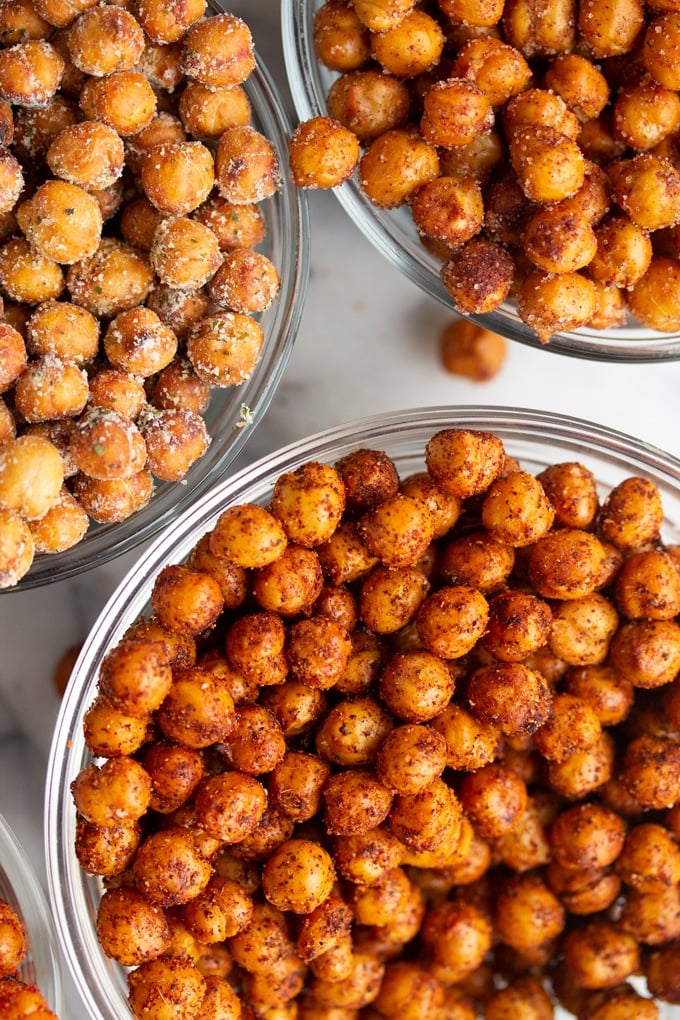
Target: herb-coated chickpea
[
  {"x": 130, "y": 928},
  {"x": 124, "y": 100},
  {"x": 167, "y": 23},
  {"x": 90, "y": 154},
  {"x": 246, "y": 166},
  {"x": 117, "y": 390},
  {"x": 368, "y": 102},
  {"x": 61, "y": 12},
  {"x": 114, "y": 279},
  {"x": 35, "y": 128},
  {"x": 166, "y": 987},
  {"x": 61, "y": 527},
  {"x": 13, "y": 358},
  {"x": 184, "y": 253},
  {"x": 117, "y": 791},
  {"x": 62, "y": 221},
  {"x": 395, "y": 165},
  {"x": 104, "y": 39},
  {"x": 416, "y": 685},
  {"x": 355, "y": 802},
  {"x": 21, "y": 19},
  {"x": 31, "y": 476},
  {"x": 106, "y": 445},
  {"x": 30, "y": 72},
  {"x": 224, "y": 347},
  {"x": 322, "y": 153},
  {"x": 160, "y": 63},
  {"x": 246, "y": 281},
  {"x": 230, "y": 805},
  {"x": 647, "y": 652},
  {"x": 207, "y": 111},
  {"x": 137, "y": 342},
  {"x": 178, "y": 387},
  {"x": 63, "y": 329},
  {"x": 510, "y": 696},
  {"x": 11, "y": 180},
  {"x": 178, "y": 176},
  {"x": 452, "y": 619},
  {"x": 111, "y": 500},
  {"x": 164, "y": 128},
  {"x": 235, "y": 226},
  {"x": 28, "y": 276}
]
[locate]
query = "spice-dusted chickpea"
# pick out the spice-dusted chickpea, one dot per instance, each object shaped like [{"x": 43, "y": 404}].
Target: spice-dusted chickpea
[
  {"x": 416, "y": 685},
  {"x": 559, "y": 239},
  {"x": 362, "y": 858},
  {"x": 599, "y": 955},
  {"x": 410, "y": 48},
  {"x": 539, "y": 107},
  {"x": 494, "y": 797},
  {"x": 344, "y": 557},
  {"x": 470, "y": 742},
  {"x": 428, "y": 820},
  {"x": 573, "y": 726},
  {"x": 111, "y": 500},
  {"x": 647, "y": 652},
  {"x": 198, "y": 710},
  {"x": 455, "y": 112},
  {"x": 256, "y": 743},
  {"x": 116, "y": 792},
  {"x": 548, "y": 164},
  {"x": 527, "y": 912},
  {"x": 659, "y": 42},
  {"x": 580, "y": 83},
  {"x": 495, "y": 67},
  {"x": 63, "y": 329},
  {"x": 644, "y": 114},
  {"x": 13, "y": 944},
  {"x": 266, "y": 940},
  {"x": 380, "y": 15},
  {"x": 235, "y": 226},
  {"x": 609, "y": 30},
  {"x": 130, "y": 928},
  {"x": 138, "y": 342},
  {"x": 26, "y": 275},
  {"x": 110, "y": 733},
  {"x": 537, "y": 31},
  {"x": 179, "y": 649},
  {"x": 104, "y": 39},
  {"x": 445, "y": 508},
  {"x": 369, "y": 477},
  {"x": 511, "y": 696},
  {"x": 353, "y": 731},
  {"x": 290, "y": 584},
  {"x": 114, "y": 279},
  {"x": 524, "y": 996},
  {"x": 220, "y": 911},
  {"x": 318, "y": 650},
  {"x": 341, "y": 41},
  {"x": 124, "y": 100},
  {"x": 206, "y": 111},
  {"x": 584, "y": 771},
  {"x": 164, "y": 128},
  {"x": 464, "y": 462},
  {"x": 648, "y": 586},
  {"x": 448, "y": 209},
  {"x": 359, "y": 988},
  {"x": 296, "y": 784},
  {"x": 582, "y": 629},
  {"x": 135, "y": 677},
  {"x": 355, "y": 802},
  {"x": 160, "y": 63},
  {"x": 177, "y": 177},
  {"x": 106, "y": 850},
  {"x": 369, "y": 102},
  {"x": 116, "y": 390},
  {"x": 309, "y": 502},
  {"x": 398, "y": 530},
  {"x": 175, "y": 771},
  {"x": 651, "y": 771},
  {"x": 31, "y": 476},
  {"x": 589, "y": 835},
  {"x": 232, "y": 579},
  {"x": 604, "y": 688},
  {"x": 61, "y": 527},
  {"x": 653, "y": 299},
  {"x": 322, "y": 153},
  {"x": 30, "y": 72},
  {"x": 246, "y": 281},
  {"x": 650, "y": 858},
  {"x": 516, "y": 510},
  {"x": 478, "y": 560},
  {"x": 646, "y": 187},
  {"x": 89, "y": 154},
  {"x": 366, "y": 660},
  {"x": 527, "y": 846},
  {"x": 246, "y": 166},
  {"x": 478, "y": 278},
  {"x": 186, "y": 600},
  {"x": 409, "y": 990},
  {"x": 184, "y": 253},
  {"x": 624, "y": 252},
  {"x": 457, "y": 935},
  {"x": 555, "y": 302},
  {"x": 411, "y": 757},
  {"x": 166, "y": 987},
  {"x": 230, "y": 805},
  {"x": 224, "y": 347},
  {"x": 218, "y": 51},
  {"x": 631, "y": 514},
  {"x": 567, "y": 564},
  {"x": 254, "y": 645},
  {"x": 395, "y": 165},
  {"x": 298, "y": 876},
  {"x": 451, "y": 620},
  {"x": 519, "y": 623},
  {"x": 249, "y": 535},
  {"x": 339, "y": 604},
  {"x": 571, "y": 489}
]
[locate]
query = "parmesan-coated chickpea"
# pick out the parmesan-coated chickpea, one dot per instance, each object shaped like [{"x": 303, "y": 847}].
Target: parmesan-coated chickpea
[
  {"x": 224, "y": 347},
  {"x": 174, "y": 439},
  {"x": 111, "y": 500},
  {"x": 61, "y": 527},
  {"x": 62, "y": 221},
  {"x": 167, "y": 23},
  {"x": 112, "y": 280},
  {"x": 130, "y": 928},
  {"x": 13, "y": 357},
  {"x": 63, "y": 329},
  {"x": 21, "y": 19},
  {"x": 11, "y": 181},
  {"x": 104, "y": 39},
  {"x": 451, "y": 620},
  {"x": 28, "y": 276},
  {"x": 322, "y": 153},
  {"x": 117, "y": 791},
  {"x": 206, "y": 111},
  {"x": 160, "y": 63},
  {"x": 184, "y": 253},
  {"x": 117, "y": 390},
  {"x": 177, "y": 177},
  {"x": 246, "y": 165},
  {"x": 369, "y": 102},
  {"x": 137, "y": 342},
  {"x": 164, "y": 128},
  {"x": 246, "y": 281},
  {"x": 106, "y": 445},
  {"x": 90, "y": 154},
  {"x": 235, "y": 225},
  {"x": 61, "y": 12},
  {"x": 177, "y": 387},
  {"x": 218, "y": 51},
  {"x": 30, "y": 72},
  {"x": 124, "y": 100},
  {"x": 395, "y": 165},
  {"x": 31, "y": 476}
]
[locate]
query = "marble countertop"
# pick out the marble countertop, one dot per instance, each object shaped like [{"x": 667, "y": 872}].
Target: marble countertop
[{"x": 368, "y": 342}]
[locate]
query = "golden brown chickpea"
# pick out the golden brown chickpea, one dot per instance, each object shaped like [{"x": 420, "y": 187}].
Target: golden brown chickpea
[
  {"x": 478, "y": 278},
  {"x": 647, "y": 652},
  {"x": 230, "y": 805},
  {"x": 89, "y": 154},
  {"x": 555, "y": 302},
  {"x": 355, "y": 802},
  {"x": 341, "y": 41},
  {"x": 510, "y": 696},
  {"x": 177, "y": 176},
  {"x": 318, "y": 651},
  {"x": 13, "y": 943},
  {"x": 652, "y": 300},
  {"x": 660, "y": 37},
  {"x": 582, "y": 629},
  {"x": 246, "y": 281},
  {"x": 380, "y": 15},
  {"x": 186, "y": 600},
  {"x": 207, "y": 111},
  {"x": 184, "y": 253},
  {"x": 451, "y": 620},
  {"x": 567, "y": 564},
  {"x": 224, "y": 347},
  {"x": 235, "y": 226},
  {"x": 527, "y": 912},
  {"x": 362, "y": 858},
  {"x": 254, "y": 645},
  {"x": 610, "y": 29},
  {"x": 104, "y": 39},
  {"x": 114, "y": 279},
  {"x": 646, "y": 187},
  {"x": 495, "y": 67},
  {"x": 494, "y": 797},
  {"x": 116, "y": 390},
  {"x": 290, "y": 584},
  {"x": 130, "y": 928},
  {"x": 298, "y": 876},
  {"x": 104, "y": 849},
  {"x": 398, "y": 531},
  {"x": 457, "y": 935},
  {"x": 161, "y": 65},
  {"x": 539, "y": 108},
  {"x": 11, "y": 181},
  {"x": 309, "y": 503},
  {"x": 411, "y": 757},
  {"x": 644, "y": 114},
  {"x": 455, "y": 112},
  {"x": 180, "y": 649},
  {"x": 21, "y": 19},
  {"x": 648, "y": 586},
  {"x": 471, "y": 742},
  {"x": 537, "y": 31},
  {"x": 168, "y": 23},
  {"x": 571, "y": 489},
  {"x": 135, "y": 677},
  {"x": 110, "y": 500},
  {"x": 124, "y": 100},
  {"x": 178, "y": 387},
  {"x": 464, "y": 462},
  {"x": 296, "y": 784},
  {"x": 516, "y": 510},
  {"x": 26, "y": 275},
  {"x": 624, "y": 252},
  {"x": 13, "y": 357},
  {"x": 604, "y": 688},
  {"x": 117, "y": 791},
  {"x": 7, "y": 423},
  {"x": 220, "y": 911},
  {"x": 30, "y": 72},
  {"x": 218, "y": 51},
  {"x": 256, "y": 743},
  {"x": 650, "y": 858},
  {"x": 64, "y": 524},
  {"x": 560, "y": 239},
  {"x": 368, "y": 102},
  {"x": 448, "y": 209},
  {"x": 573, "y": 726},
  {"x": 31, "y": 476},
  {"x": 106, "y": 445},
  {"x": 249, "y": 535},
  {"x": 599, "y": 955},
  {"x": 580, "y": 83},
  {"x": 527, "y": 846},
  {"x": 524, "y": 996},
  {"x": 651, "y": 771},
  {"x": 519, "y": 623},
  {"x": 395, "y": 165},
  {"x": 62, "y": 221},
  {"x": 164, "y": 128},
  {"x": 166, "y": 987},
  {"x": 478, "y": 560},
  {"x": 352, "y": 732},
  {"x": 587, "y": 836},
  {"x": 411, "y": 47},
  {"x": 198, "y": 710},
  {"x": 63, "y": 329},
  {"x": 322, "y": 153},
  {"x": 631, "y": 514},
  {"x": 359, "y": 988},
  {"x": 61, "y": 12},
  {"x": 246, "y": 166},
  {"x": 175, "y": 771}
]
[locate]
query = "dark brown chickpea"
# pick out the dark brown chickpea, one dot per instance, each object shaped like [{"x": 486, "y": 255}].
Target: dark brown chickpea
[
  {"x": 106, "y": 850},
  {"x": 478, "y": 278}
]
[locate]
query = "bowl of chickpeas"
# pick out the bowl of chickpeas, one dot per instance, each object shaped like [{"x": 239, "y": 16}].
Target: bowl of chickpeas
[
  {"x": 518, "y": 163},
  {"x": 387, "y": 725},
  {"x": 30, "y": 967},
  {"x": 153, "y": 266}
]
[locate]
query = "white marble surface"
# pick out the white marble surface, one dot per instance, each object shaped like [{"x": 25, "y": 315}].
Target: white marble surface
[{"x": 368, "y": 342}]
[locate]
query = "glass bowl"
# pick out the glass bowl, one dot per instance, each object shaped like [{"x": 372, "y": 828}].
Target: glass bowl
[
  {"x": 233, "y": 413},
  {"x": 536, "y": 438},
  {"x": 392, "y": 232},
  {"x": 19, "y": 886}
]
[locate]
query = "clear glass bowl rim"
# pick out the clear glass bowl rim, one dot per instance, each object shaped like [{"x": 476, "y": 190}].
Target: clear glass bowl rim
[
  {"x": 288, "y": 219},
  {"x": 525, "y": 432},
  {"x": 25, "y": 894},
  {"x": 397, "y": 240}
]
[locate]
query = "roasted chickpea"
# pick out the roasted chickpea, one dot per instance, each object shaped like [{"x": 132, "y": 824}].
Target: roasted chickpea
[
  {"x": 184, "y": 253},
  {"x": 395, "y": 165},
  {"x": 451, "y": 620},
  {"x": 478, "y": 278},
  {"x": 471, "y": 742},
  {"x": 224, "y": 347},
  {"x": 246, "y": 166},
  {"x": 117, "y": 791},
  {"x": 124, "y": 100},
  {"x": 341, "y": 40},
  {"x": 494, "y": 797},
  {"x": 511, "y": 697},
  {"x": 652, "y": 300},
  {"x": 31, "y": 476},
  {"x": 646, "y": 188},
  {"x": 207, "y": 111},
  {"x": 369, "y": 102},
  {"x": 112, "y": 280},
  {"x": 355, "y": 802},
  {"x": 246, "y": 281},
  {"x": 322, "y": 153},
  {"x": 457, "y": 935}
]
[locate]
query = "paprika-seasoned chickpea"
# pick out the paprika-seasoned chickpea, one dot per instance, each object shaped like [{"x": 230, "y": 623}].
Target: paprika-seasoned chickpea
[
  {"x": 519, "y": 623},
  {"x": 494, "y": 797},
  {"x": 478, "y": 560},
  {"x": 249, "y": 535},
  {"x": 124, "y": 100},
  {"x": 451, "y": 620},
  {"x": 624, "y": 252},
  {"x": 527, "y": 912},
  {"x": 647, "y": 652},
  {"x": 445, "y": 508},
  {"x": 232, "y": 578},
  {"x": 230, "y": 805},
  {"x": 246, "y": 281},
  {"x": 648, "y": 586},
  {"x": 559, "y": 239},
  {"x": 494, "y": 66},
  {"x": 318, "y": 651},
  {"x": 207, "y": 111},
  {"x": 571, "y": 489},
  {"x": 464, "y": 462},
  {"x": 631, "y": 514},
  {"x": 117, "y": 791},
  {"x": 254, "y": 645},
  {"x": 198, "y": 710},
  {"x": 186, "y": 600},
  {"x": 470, "y": 742},
  {"x": 112, "y": 280},
  {"x": 290, "y": 584},
  {"x": 650, "y": 858},
  {"x": 524, "y": 996},
  {"x": 90, "y": 154},
  {"x": 599, "y": 955},
  {"x": 411, "y": 757},
  {"x": 609, "y": 30},
  {"x": 604, "y": 688},
  {"x": 111, "y": 500},
  {"x": 516, "y": 510},
  {"x": 369, "y": 102},
  {"x": 309, "y": 503},
  {"x": 166, "y": 987},
  {"x": 555, "y": 302},
  {"x": 106, "y": 850},
  {"x": 362, "y": 858},
  {"x": 298, "y": 876},
  {"x": 478, "y": 278},
  {"x": 355, "y": 802},
  {"x": 104, "y": 39},
  {"x": 339, "y": 604},
  {"x": 660, "y": 39},
  {"x": 13, "y": 944},
  {"x": 398, "y": 531},
  {"x": 540, "y": 32},
  {"x": 110, "y": 733},
  {"x": 359, "y": 988},
  {"x": 395, "y": 165},
  {"x": 582, "y": 629},
  {"x": 177, "y": 176},
  {"x": 653, "y": 299},
  {"x": 573, "y": 726},
  {"x": 539, "y": 108},
  {"x": 428, "y": 820},
  {"x": 246, "y": 166},
  {"x": 411, "y": 47},
  {"x": 365, "y": 662},
  {"x": 184, "y": 253},
  {"x": 130, "y": 928},
  {"x": 322, "y": 153},
  {"x": 341, "y": 40},
  {"x": 220, "y": 911},
  {"x": 256, "y": 743},
  {"x": 135, "y": 677},
  {"x": 651, "y": 771},
  {"x": 644, "y": 114},
  {"x": 457, "y": 935},
  {"x": 352, "y": 732},
  {"x": 416, "y": 685},
  {"x": 509, "y": 695},
  {"x": 30, "y": 72},
  {"x": 344, "y": 557},
  {"x": 175, "y": 771},
  {"x": 296, "y": 784},
  {"x": 455, "y": 112},
  {"x": 567, "y": 563},
  {"x": 448, "y": 209},
  {"x": 646, "y": 187},
  {"x": 224, "y": 347},
  {"x": 580, "y": 83},
  {"x": 588, "y": 835},
  {"x": 369, "y": 476}
]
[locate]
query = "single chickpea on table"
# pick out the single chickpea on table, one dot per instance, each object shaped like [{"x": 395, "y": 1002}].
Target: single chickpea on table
[
  {"x": 397, "y": 743},
  {"x": 130, "y": 173},
  {"x": 441, "y": 110}
]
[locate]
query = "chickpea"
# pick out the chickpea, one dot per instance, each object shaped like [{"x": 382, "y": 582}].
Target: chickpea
[
  {"x": 368, "y": 102},
  {"x": 254, "y": 645},
  {"x": 106, "y": 850},
  {"x": 105, "y": 39},
  {"x": 164, "y": 128},
  {"x": 246, "y": 166},
  {"x": 355, "y": 802},
  {"x": 298, "y": 876},
  {"x": 322, "y": 153},
  {"x": 28, "y": 276},
  {"x": 341, "y": 40},
  {"x": 511, "y": 697},
  {"x": 116, "y": 792},
  {"x": 206, "y": 112},
  {"x": 411, "y": 47},
  {"x": 13, "y": 943},
  {"x": 246, "y": 281},
  {"x": 123, "y": 99},
  {"x": 30, "y": 72},
  {"x": 599, "y": 955},
  {"x": 457, "y": 935},
  {"x": 178, "y": 387},
  {"x": 178, "y": 176},
  {"x": 650, "y": 771},
  {"x": 538, "y": 32},
  {"x": 31, "y": 476},
  {"x": 471, "y": 742},
  {"x": 478, "y": 278},
  {"x": 218, "y": 51},
  {"x": 395, "y": 165},
  {"x": 110, "y": 500},
  {"x": 235, "y": 226},
  {"x": 230, "y": 805},
  {"x": 451, "y": 620},
  {"x": 448, "y": 209},
  {"x": 168, "y": 24},
  {"x": 130, "y": 928},
  {"x": 411, "y": 757},
  {"x": 166, "y": 987},
  {"x": 647, "y": 652},
  {"x": 652, "y": 299},
  {"x": 494, "y": 797},
  {"x": 224, "y": 347},
  {"x": 184, "y": 253},
  {"x": 112, "y": 280}
]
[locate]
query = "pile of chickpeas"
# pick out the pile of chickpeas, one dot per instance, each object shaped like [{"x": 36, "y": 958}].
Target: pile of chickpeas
[
  {"x": 534, "y": 144},
  {"x": 398, "y": 747},
  {"x": 17, "y": 999},
  {"x": 131, "y": 286}
]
